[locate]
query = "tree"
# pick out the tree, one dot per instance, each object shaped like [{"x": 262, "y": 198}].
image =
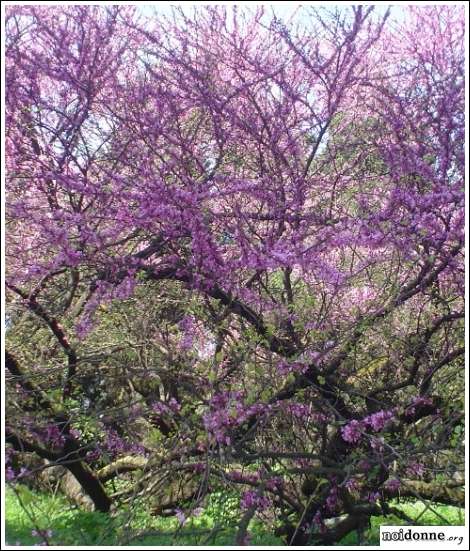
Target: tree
[{"x": 247, "y": 237}]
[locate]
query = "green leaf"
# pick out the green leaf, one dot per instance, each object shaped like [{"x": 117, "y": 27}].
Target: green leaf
[{"x": 25, "y": 494}]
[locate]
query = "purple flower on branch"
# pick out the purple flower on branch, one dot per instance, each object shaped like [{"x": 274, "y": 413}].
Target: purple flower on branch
[
  {"x": 351, "y": 432},
  {"x": 250, "y": 499}
]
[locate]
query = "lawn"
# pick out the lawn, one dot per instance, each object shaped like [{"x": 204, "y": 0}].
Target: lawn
[{"x": 69, "y": 526}]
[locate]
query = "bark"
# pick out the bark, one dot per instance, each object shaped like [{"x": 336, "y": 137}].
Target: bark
[
  {"x": 86, "y": 477},
  {"x": 122, "y": 465},
  {"x": 70, "y": 458},
  {"x": 448, "y": 493},
  {"x": 343, "y": 528},
  {"x": 68, "y": 484}
]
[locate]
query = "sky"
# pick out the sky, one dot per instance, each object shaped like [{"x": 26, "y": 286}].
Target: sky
[{"x": 283, "y": 10}]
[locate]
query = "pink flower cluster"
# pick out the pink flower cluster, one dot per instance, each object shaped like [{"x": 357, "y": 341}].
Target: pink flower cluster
[
  {"x": 170, "y": 407},
  {"x": 417, "y": 402},
  {"x": 352, "y": 485},
  {"x": 52, "y": 435},
  {"x": 274, "y": 483},
  {"x": 415, "y": 469},
  {"x": 186, "y": 326},
  {"x": 372, "y": 497},
  {"x": 227, "y": 411},
  {"x": 251, "y": 499},
  {"x": 285, "y": 367},
  {"x": 352, "y": 432},
  {"x": 333, "y": 499},
  {"x": 392, "y": 484},
  {"x": 378, "y": 420},
  {"x": 238, "y": 476}
]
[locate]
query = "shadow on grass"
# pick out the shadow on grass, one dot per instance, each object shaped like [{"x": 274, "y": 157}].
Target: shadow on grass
[{"x": 70, "y": 526}]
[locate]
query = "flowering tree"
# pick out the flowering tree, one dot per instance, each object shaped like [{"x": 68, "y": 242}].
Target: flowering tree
[{"x": 235, "y": 257}]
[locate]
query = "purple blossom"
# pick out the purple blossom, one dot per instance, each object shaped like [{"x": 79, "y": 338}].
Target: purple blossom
[
  {"x": 83, "y": 327},
  {"x": 180, "y": 516},
  {"x": 377, "y": 421},
  {"x": 377, "y": 443},
  {"x": 75, "y": 433},
  {"x": 417, "y": 402},
  {"x": 114, "y": 443},
  {"x": 23, "y": 473},
  {"x": 187, "y": 328},
  {"x": 93, "y": 455},
  {"x": 296, "y": 409},
  {"x": 332, "y": 499},
  {"x": 199, "y": 468},
  {"x": 303, "y": 463},
  {"x": 392, "y": 484},
  {"x": 226, "y": 411},
  {"x": 250, "y": 478},
  {"x": 285, "y": 367},
  {"x": 274, "y": 483},
  {"x": 250, "y": 499},
  {"x": 415, "y": 469},
  {"x": 52, "y": 435},
  {"x": 352, "y": 485},
  {"x": 372, "y": 497},
  {"x": 351, "y": 432},
  {"x": 171, "y": 407},
  {"x": 319, "y": 522}
]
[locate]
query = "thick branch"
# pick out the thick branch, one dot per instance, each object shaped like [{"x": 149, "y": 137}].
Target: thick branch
[
  {"x": 58, "y": 332},
  {"x": 449, "y": 493},
  {"x": 70, "y": 458},
  {"x": 39, "y": 396},
  {"x": 122, "y": 465}
]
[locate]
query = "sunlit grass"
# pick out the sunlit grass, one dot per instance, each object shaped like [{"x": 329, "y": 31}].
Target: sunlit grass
[
  {"x": 70, "y": 526},
  {"x": 434, "y": 515}
]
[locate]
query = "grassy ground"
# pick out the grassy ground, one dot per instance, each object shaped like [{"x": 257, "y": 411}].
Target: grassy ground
[
  {"x": 435, "y": 515},
  {"x": 74, "y": 527}
]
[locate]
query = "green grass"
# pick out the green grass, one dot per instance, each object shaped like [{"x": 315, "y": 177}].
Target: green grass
[
  {"x": 71, "y": 526},
  {"x": 435, "y": 515}
]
